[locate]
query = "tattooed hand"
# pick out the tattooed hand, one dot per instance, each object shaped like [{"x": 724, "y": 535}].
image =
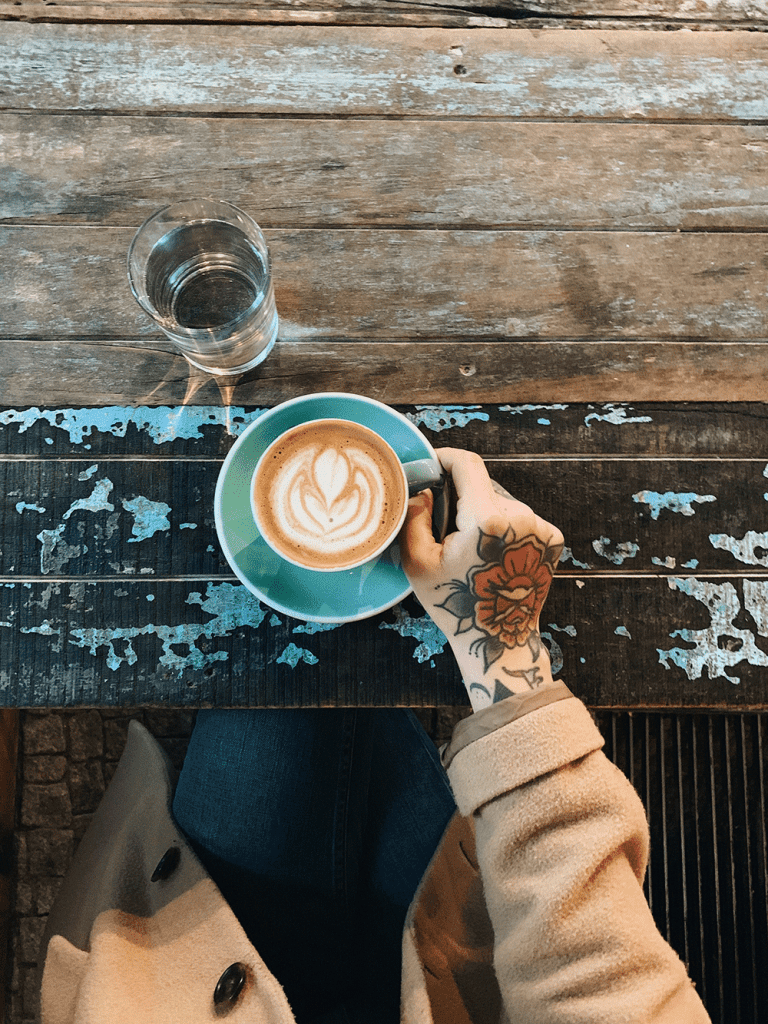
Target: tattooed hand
[{"x": 485, "y": 585}]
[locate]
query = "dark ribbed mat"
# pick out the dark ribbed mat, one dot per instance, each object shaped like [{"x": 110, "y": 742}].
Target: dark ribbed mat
[{"x": 703, "y": 779}]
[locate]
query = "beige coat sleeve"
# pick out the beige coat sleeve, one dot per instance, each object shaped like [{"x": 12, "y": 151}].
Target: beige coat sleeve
[{"x": 561, "y": 846}]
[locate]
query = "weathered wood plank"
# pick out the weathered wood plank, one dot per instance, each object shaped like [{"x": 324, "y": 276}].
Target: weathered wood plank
[
  {"x": 154, "y": 517},
  {"x": 678, "y": 430},
  {"x": 311, "y": 12},
  {"x": 75, "y": 372},
  {"x": 331, "y": 173},
  {"x": 348, "y": 12},
  {"x": 711, "y": 10},
  {"x": 617, "y": 642},
  {"x": 558, "y": 13},
  {"x": 289, "y": 70},
  {"x": 405, "y": 285}
]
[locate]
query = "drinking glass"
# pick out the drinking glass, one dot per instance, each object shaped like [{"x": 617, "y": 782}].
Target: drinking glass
[{"x": 200, "y": 268}]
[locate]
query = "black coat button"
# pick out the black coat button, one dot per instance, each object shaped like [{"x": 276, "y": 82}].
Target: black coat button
[
  {"x": 230, "y": 985},
  {"x": 167, "y": 864}
]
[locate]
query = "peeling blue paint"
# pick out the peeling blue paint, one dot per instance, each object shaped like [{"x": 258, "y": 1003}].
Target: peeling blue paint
[
  {"x": 554, "y": 648},
  {"x": 98, "y": 500},
  {"x": 681, "y": 503},
  {"x": 624, "y": 549},
  {"x": 315, "y": 627},
  {"x": 161, "y": 423},
  {"x": 570, "y": 630},
  {"x": 229, "y": 605},
  {"x": 756, "y": 603},
  {"x": 722, "y": 645},
  {"x": 692, "y": 564},
  {"x": 87, "y": 473},
  {"x": 444, "y": 417},
  {"x": 292, "y": 655},
  {"x": 668, "y": 563},
  {"x": 623, "y": 631},
  {"x": 187, "y": 526},
  {"x": 21, "y": 505},
  {"x": 544, "y": 422},
  {"x": 150, "y": 597},
  {"x": 150, "y": 517},
  {"x": 567, "y": 556},
  {"x": 46, "y": 629},
  {"x": 752, "y": 549},
  {"x": 616, "y": 414},
  {"x": 54, "y": 554},
  {"x": 555, "y": 652},
  {"x": 274, "y": 621},
  {"x": 432, "y": 638}
]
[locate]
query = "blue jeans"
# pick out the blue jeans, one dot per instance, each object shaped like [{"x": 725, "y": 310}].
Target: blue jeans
[{"x": 317, "y": 825}]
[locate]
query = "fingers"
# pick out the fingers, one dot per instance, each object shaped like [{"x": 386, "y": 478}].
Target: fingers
[
  {"x": 476, "y": 499},
  {"x": 483, "y": 502}
]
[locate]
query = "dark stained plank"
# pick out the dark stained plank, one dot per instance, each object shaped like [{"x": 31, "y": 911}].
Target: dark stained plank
[
  {"x": 356, "y": 173},
  {"x": 290, "y": 70},
  {"x": 649, "y": 642},
  {"x": 362, "y": 284},
  {"x": 73, "y": 372},
  {"x": 133, "y": 517},
  {"x": 675, "y": 430}
]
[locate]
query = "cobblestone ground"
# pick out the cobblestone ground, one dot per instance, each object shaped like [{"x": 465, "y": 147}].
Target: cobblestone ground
[{"x": 66, "y": 760}]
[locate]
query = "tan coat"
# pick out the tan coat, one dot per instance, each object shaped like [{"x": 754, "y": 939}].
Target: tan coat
[{"x": 531, "y": 911}]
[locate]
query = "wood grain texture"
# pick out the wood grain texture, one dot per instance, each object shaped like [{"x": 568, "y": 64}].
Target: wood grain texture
[
  {"x": 292, "y": 70},
  {"x": 172, "y": 651},
  {"x": 355, "y": 173},
  {"x": 554, "y": 14},
  {"x": 75, "y": 372},
  {"x": 663, "y": 589},
  {"x": 205, "y": 429},
  {"x": 714, "y": 10},
  {"x": 404, "y": 285},
  {"x": 613, "y": 513},
  {"x": 311, "y": 12}
]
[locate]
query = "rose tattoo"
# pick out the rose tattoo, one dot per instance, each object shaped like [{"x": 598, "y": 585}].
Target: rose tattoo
[{"x": 502, "y": 597}]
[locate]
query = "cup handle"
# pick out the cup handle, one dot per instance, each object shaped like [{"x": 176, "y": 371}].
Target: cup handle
[{"x": 423, "y": 473}]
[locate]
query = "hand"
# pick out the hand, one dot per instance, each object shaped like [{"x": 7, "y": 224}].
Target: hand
[{"x": 485, "y": 585}]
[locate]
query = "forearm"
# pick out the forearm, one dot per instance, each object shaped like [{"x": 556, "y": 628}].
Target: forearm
[{"x": 562, "y": 860}]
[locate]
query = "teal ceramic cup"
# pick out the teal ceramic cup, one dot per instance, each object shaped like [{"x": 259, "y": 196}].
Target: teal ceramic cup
[{"x": 311, "y": 595}]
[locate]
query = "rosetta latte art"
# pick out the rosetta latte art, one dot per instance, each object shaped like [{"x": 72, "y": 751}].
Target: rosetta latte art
[{"x": 329, "y": 501}]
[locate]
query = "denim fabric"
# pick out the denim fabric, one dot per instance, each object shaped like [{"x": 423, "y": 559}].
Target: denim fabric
[{"x": 317, "y": 824}]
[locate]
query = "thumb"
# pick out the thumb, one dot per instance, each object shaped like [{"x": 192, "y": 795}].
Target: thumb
[{"x": 419, "y": 551}]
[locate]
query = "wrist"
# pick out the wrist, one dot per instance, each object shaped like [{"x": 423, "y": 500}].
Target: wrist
[{"x": 518, "y": 669}]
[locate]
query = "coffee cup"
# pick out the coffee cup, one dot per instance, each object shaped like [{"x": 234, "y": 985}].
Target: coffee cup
[{"x": 331, "y": 494}]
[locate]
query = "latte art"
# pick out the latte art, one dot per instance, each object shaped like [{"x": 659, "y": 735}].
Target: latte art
[
  {"x": 328, "y": 494},
  {"x": 326, "y": 498}
]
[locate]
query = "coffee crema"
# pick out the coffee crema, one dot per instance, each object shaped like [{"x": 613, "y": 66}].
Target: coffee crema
[{"x": 329, "y": 494}]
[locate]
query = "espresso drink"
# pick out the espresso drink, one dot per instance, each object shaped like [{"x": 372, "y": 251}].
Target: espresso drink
[{"x": 328, "y": 494}]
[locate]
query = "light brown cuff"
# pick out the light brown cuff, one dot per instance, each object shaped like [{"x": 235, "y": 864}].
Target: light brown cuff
[
  {"x": 481, "y": 723},
  {"x": 526, "y": 748}
]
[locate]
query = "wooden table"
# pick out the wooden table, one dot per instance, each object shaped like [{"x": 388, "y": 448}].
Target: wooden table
[{"x": 543, "y": 237}]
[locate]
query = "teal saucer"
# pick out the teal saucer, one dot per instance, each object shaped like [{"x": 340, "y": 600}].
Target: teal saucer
[{"x": 344, "y": 596}]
